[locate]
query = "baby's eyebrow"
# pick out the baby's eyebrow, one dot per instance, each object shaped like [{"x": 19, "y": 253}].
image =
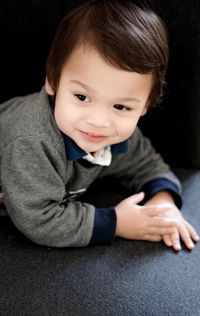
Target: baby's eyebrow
[
  {"x": 85, "y": 86},
  {"x": 127, "y": 99},
  {"x": 92, "y": 90}
]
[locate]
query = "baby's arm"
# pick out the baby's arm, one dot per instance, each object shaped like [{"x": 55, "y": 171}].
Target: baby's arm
[{"x": 184, "y": 230}]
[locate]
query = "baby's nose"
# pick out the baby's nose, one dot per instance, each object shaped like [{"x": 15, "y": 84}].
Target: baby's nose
[{"x": 99, "y": 119}]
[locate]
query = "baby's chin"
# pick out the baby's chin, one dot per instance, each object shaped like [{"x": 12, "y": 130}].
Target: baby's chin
[{"x": 92, "y": 149}]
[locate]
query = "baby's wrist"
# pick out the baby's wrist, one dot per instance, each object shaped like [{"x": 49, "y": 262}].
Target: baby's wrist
[{"x": 161, "y": 197}]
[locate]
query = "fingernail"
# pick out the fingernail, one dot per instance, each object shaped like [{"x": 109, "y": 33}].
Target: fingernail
[
  {"x": 178, "y": 246},
  {"x": 191, "y": 244},
  {"x": 197, "y": 238}
]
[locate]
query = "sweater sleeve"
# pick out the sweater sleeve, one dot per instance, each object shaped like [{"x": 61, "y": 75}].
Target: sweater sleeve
[
  {"x": 104, "y": 226},
  {"x": 35, "y": 197}
]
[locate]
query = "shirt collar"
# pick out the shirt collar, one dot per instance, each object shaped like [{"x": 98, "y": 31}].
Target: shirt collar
[{"x": 74, "y": 152}]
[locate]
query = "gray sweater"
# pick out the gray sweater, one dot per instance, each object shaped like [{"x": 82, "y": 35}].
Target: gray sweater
[{"x": 40, "y": 183}]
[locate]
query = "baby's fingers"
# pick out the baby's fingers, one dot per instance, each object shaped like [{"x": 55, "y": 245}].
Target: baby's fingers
[
  {"x": 156, "y": 210},
  {"x": 175, "y": 239},
  {"x": 163, "y": 222},
  {"x": 167, "y": 240},
  {"x": 152, "y": 237},
  {"x": 172, "y": 240},
  {"x": 161, "y": 230},
  {"x": 192, "y": 231},
  {"x": 187, "y": 233}
]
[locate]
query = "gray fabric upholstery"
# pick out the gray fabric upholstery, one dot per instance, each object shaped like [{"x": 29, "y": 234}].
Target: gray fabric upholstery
[{"x": 125, "y": 278}]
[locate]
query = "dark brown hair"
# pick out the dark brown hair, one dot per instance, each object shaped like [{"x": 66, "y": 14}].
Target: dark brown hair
[{"x": 129, "y": 36}]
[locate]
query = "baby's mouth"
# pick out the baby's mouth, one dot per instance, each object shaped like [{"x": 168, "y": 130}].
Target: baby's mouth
[{"x": 93, "y": 137}]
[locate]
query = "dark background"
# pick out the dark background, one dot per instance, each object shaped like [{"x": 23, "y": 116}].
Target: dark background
[{"x": 26, "y": 31}]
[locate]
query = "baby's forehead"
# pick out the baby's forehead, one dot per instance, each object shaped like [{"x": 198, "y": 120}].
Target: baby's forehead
[
  {"x": 86, "y": 71},
  {"x": 88, "y": 53},
  {"x": 85, "y": 52}
]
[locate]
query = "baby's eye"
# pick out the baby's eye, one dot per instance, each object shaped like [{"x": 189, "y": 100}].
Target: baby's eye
[
  {"x": 121, "y": 107},
  {"x": 81, "y": 97}
]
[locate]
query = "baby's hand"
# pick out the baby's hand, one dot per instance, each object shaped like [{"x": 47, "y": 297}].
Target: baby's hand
[
  {"x": 142, "y": 222},
  {"x": 183, "y": 231}
]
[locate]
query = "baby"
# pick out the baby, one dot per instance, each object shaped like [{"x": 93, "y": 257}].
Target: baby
[{"x": 106, "y": 68}]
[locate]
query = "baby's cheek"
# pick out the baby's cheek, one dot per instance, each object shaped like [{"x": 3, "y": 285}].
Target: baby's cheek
[{"x": 128, "y": 130}]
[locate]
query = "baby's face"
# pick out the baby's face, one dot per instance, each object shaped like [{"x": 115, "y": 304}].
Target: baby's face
[{"x": 98, "y": 104}]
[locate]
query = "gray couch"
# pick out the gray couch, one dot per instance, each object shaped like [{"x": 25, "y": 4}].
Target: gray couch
[{"x": 128, "y": 277}]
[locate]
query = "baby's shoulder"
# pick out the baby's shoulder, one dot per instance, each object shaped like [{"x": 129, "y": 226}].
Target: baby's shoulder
[{"x": 26, "y": 116}]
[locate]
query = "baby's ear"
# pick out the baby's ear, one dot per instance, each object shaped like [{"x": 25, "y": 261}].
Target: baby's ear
[
  {"x": 144, "y": 111},
  {"x": 48, "y": 87}
]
